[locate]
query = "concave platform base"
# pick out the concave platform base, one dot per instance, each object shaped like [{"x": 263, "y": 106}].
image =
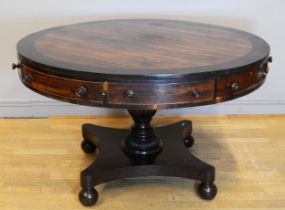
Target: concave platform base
[{"x": 113, "y": 162}]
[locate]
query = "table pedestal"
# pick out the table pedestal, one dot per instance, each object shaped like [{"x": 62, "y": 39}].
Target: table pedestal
[{"x": 142, "y": 151}]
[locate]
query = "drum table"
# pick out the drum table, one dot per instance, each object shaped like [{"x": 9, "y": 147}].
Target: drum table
[{"x": 142, "y": 66}]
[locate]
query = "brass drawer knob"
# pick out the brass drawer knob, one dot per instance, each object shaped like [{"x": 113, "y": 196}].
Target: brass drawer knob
[
  {"x": 195, "y": 93},
  {"x": 129, "y": 93},
  {"x": 234, "y": 86},
  {"x": 80, "y": 91}
]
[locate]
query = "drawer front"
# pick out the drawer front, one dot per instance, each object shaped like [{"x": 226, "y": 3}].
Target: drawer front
[
  {"x": 161, "y": 94},
  {"x": 64, "y": 88},
  {"x": 237, "y": 84},
  {"x": 123, "y": 95}
]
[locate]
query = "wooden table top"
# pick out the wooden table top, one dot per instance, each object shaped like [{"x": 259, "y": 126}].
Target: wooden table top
[
  {"x": 153, "y": 52},
  {"x": 142, "y": 47}
]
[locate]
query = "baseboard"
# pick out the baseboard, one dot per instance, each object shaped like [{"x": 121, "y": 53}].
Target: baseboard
[{"x": 44, "y": 108}]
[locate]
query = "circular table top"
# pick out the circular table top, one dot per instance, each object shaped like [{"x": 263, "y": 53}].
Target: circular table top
[
  {"x": 143, "y": 64},
  {"x": 158, "y": 48}
]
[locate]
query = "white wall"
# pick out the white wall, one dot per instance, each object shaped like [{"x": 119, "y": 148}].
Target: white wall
[{"x": 18, "y": 18}]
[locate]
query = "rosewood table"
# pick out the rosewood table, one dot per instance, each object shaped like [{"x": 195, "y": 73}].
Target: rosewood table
[{"x": 142, "y": 66}]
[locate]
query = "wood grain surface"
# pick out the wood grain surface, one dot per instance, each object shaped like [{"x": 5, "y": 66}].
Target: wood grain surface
[
  {"x": 143, "y": 47},
  {"x": 144, "y": 95},
  {"x": 40, "y": 161},
  {"x": 162, "y": 63}
]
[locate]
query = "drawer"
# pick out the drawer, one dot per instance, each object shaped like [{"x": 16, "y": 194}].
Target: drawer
[
  {"x": 122, "y": 95},
  {"x": 237, "y": 84},
  {"x": 160, "y": 94},
  {"x": 62, "y": 88}
]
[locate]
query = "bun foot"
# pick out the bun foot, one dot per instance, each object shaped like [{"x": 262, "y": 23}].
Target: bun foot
[
  {"x": 87, "y": 146},
  {"x": 207, "y": 191},
  {"x": 88, "y": 197},
  {"x": 189, "y": 141}
]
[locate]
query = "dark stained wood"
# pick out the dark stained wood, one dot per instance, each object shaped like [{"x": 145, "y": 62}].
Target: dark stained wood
[
  {"x": 143, "y": 65},
  {"x": 173, "y": 160},
  {"x": 149, "y": 48},
  {"x": 244, "y": 82},
  {"x": 59, "y": 87},
  {"x": 144, "y": 95},
  {"x": 142, "y": 45},
  {"x": 160, "y": 95},
  {"x": 163, "y": 64}
]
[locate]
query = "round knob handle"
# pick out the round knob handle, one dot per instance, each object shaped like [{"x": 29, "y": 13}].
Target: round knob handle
[
  {"x": 16, "y": 66},
  {"x": 195, "y": 93},
  {"x": 81, "y": 91},
  {"x": 234, "y": 86},
  {"x": 129, "y": 93}
]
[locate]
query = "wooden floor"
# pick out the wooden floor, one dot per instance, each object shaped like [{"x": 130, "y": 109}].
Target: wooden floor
[{"x": 40, "y": 161}]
